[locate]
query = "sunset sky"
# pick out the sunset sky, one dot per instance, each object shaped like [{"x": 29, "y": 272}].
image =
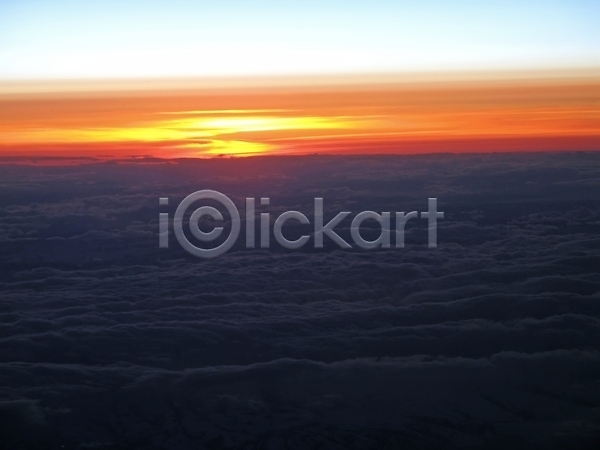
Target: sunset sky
[
  {"x": 137, "y": 135},
  {"x": 200, "y": 79}
]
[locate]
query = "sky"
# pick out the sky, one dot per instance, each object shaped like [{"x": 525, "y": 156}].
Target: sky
[
  {"x": 232, "y": 78},
  {"x": 491, "y": 340},
  {"x": 478, "y": 116},
  {"x": 96, "y": 39}
]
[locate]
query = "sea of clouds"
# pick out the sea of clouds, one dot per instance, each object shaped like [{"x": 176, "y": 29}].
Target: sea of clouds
[{"x": 492, "y": 340}]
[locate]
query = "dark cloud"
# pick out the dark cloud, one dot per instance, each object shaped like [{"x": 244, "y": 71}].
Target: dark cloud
[{"x": 489, "y": 341}]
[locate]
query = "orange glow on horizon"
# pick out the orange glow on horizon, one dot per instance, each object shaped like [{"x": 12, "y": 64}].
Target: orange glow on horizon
[{"x": 556, "y": 114}]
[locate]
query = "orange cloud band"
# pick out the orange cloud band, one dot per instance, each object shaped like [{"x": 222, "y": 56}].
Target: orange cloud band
[{"x": 457, "y": 116}]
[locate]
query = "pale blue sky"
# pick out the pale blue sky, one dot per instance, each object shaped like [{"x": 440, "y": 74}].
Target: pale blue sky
[{"x": 106, "y": 39}]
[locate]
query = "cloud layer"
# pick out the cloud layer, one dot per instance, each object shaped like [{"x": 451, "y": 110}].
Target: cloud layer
[{"x": 491, "y": 340}]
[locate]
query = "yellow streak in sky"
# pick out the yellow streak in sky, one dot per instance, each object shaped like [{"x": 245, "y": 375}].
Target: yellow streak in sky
[
  {"x": 230, "y": 125},
  {"x": 185, "y": 132}
]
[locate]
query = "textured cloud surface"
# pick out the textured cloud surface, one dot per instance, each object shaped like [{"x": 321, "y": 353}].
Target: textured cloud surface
[{"x": 491, "y": 340}]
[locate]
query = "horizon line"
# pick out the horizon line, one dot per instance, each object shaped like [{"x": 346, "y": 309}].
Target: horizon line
[{"x": 135, "y": 85}]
